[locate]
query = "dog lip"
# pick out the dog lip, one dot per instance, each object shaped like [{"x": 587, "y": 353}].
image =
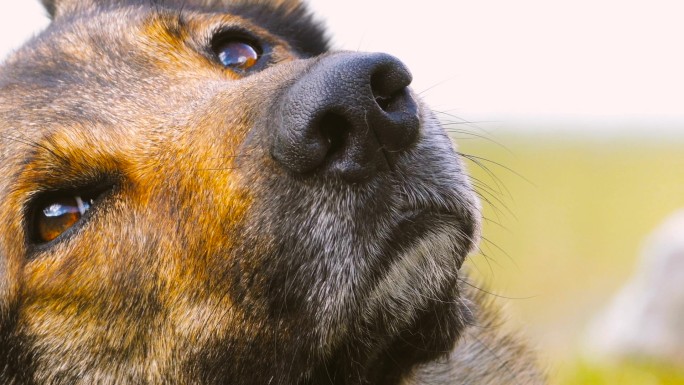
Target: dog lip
[
  {"x": 426, "y": 213},
  {"x": 413, "y": 224}
]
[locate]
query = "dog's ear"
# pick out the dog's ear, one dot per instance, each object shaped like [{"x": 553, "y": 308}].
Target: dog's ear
[{"x": 49, "y": 6}]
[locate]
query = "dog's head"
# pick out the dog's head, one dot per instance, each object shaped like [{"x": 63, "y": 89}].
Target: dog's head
[{"x": 200, "y": 192}]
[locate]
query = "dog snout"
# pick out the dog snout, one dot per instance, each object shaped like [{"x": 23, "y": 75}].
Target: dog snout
[{"x": 348, "y": 116}]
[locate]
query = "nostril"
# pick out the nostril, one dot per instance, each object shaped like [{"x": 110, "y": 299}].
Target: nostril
[
  {"x": 390, "y": 103},
  {"x": 335, "y": 129},
  {"x": 388, "y": 83},
  {"x": 384, "y": 102}
]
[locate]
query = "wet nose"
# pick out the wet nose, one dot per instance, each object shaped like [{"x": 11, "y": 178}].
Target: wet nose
[{"x": 348, "y": 116}]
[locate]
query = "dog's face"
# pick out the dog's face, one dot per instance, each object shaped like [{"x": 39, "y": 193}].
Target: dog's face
[{"x": 199, "y": 192}]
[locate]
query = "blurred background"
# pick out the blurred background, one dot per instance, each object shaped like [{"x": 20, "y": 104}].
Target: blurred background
[{"x": 570, "y": 116}]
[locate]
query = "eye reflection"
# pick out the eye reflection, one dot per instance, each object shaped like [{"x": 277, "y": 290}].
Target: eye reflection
[
  {"x": 237, "y": 54},
  {"x": 58, "y": 215}
]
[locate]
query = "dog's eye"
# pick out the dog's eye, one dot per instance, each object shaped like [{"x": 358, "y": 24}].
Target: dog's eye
[
  {"x": 236, "y": 53},
  {"x": 56, "y": 214}
]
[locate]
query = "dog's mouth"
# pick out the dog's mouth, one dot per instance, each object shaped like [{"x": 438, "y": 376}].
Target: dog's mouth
[{"x": 414, "y": 225}]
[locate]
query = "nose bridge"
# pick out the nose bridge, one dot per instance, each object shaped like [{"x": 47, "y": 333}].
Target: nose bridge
[
  {"x": 344, "y": 114},
  {"x": 342, "y": 84}
]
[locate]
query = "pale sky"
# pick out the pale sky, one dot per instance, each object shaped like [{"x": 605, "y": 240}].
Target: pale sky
[{"x": 578, "y": 59}]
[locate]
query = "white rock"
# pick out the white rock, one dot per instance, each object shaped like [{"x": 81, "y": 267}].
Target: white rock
[{"x": 646, "y": 318}]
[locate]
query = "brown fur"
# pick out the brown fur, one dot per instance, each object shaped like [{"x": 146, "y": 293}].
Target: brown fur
[{"x": 203, "y": 262}]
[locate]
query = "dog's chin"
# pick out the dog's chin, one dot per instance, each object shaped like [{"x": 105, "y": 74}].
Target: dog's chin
[
  {"x": 414, "y": 295},
  {"x": 429, "y": 248}
]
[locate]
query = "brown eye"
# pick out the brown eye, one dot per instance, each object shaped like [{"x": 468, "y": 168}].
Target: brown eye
[
  {"x": 55, "y": 216},
  {"x": 237, "y": 54}
]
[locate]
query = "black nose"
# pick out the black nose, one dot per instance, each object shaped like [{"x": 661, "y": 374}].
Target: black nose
[{"x": 348, "y": 115}]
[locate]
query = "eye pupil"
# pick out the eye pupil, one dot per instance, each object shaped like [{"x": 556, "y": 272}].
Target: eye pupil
[
  {"x": 58, "y": 215},
  {"x": 237, "y": 54}
]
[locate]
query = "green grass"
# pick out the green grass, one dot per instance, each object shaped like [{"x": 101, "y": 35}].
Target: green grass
[
  {"x": 565, "y": 224},
  {"x": 627, "y": 373}
]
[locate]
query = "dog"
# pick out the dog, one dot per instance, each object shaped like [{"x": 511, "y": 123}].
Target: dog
[{"x": 202, "y": 192}]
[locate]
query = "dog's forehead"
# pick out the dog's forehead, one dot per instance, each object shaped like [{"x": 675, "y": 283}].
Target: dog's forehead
[
  {"x": 58, "y": 8},
  {"x": 83, "y": 62},
  {"x": 89, "y": 69},
  {"x": 289, "y": 19},
  {"x": 93, "y": 66}
]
